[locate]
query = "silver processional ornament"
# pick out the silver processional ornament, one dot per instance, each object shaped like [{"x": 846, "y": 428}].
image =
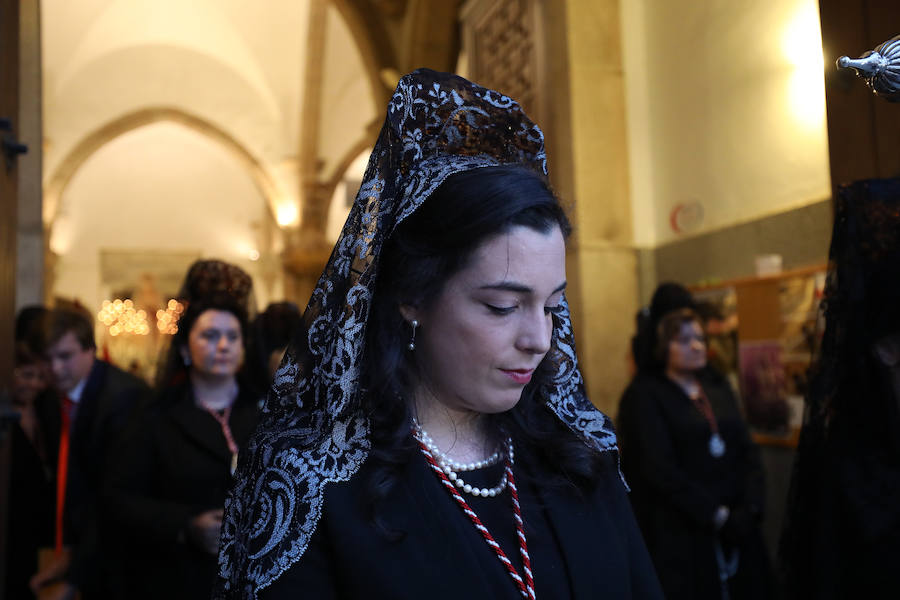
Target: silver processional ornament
[{"x": 879, "y": 67}]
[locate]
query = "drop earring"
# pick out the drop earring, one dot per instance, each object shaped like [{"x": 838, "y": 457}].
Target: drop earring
[{"x": 412, "y": 340}]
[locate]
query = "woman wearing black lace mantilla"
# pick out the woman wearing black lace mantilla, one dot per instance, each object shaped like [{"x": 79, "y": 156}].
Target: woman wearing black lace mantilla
[{"x": 428, "y": 434}]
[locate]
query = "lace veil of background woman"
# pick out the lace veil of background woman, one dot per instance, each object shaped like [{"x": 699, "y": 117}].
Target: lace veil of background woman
[
  {"x": 333, "y": 492},
  {"x": 842, "y": 532}
]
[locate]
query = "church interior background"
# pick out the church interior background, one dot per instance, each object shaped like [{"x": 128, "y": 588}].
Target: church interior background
[{"x": 687, "y": 137}]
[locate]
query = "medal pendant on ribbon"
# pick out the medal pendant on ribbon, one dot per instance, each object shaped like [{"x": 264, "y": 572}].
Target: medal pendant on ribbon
[
  {"x": 233, "y": 462},
  {"x": 716, "y": 445}
]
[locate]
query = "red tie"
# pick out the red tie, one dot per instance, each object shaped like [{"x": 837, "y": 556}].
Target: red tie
[{"x": 62, "y": 468}]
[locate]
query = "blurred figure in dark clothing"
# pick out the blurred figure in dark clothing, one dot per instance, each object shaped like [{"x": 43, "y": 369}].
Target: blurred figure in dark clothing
[
  {"x": 83, "y": 427},
  {"x": 271, "y": 333},
  {"x": 168, "y": 486},
  {"x": 696, "y": 477},
  {"x": 841, "y": 537},
  {"x": 29, "y": 524},
  {"x": 668, "y": 296}
]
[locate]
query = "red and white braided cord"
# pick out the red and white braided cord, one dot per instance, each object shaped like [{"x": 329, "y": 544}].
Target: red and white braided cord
[{"x": 526, "y": 587}]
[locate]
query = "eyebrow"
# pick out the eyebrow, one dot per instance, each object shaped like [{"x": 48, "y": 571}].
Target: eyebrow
[{"x": 509, "y": 286}]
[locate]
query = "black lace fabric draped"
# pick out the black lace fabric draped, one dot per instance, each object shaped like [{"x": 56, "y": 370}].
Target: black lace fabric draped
[
  {"x": 312, "y": 431},
  {"x": 848, "y": 458}
]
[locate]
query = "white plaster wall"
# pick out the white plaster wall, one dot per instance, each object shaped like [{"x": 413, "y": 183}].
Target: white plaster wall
[
  {"x": 713, "y": 114},
  {"x": 161, "y": 187}
]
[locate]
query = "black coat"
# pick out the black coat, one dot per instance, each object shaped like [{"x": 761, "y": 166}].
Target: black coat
[
  {"x": 29, "y": 523},
  {"x": 677, "y": 486},
  {"x": 175, "y": 466},
  {"x": 107, "y": 402},
  {"x": 581, "y": 546}
]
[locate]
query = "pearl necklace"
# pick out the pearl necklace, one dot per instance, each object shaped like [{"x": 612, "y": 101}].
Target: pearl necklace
[{"x": 451, "y": 468}]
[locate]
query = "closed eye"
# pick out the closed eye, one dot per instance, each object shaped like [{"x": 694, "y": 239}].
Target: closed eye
[{"x": 500, "y": 310}]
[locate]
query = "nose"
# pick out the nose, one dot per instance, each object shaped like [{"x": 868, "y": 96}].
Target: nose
[
  {"x": 57, "y": 366},
  {"x": 535, "y": 333}
]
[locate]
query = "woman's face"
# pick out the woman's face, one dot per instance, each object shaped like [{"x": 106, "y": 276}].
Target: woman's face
[
  {"x": 480, "y": 341},
  {"x": 215, "y": 345},
  {"x": 29, "y": 381},
  {"x": 687, "y": 350}
]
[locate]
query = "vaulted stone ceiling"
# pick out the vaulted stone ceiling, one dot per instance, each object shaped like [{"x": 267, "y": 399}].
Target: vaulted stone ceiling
[{"x": 288, "y": 93}]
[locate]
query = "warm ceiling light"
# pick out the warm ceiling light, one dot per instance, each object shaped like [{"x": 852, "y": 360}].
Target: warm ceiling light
[
  {"x": 286, "y": 214},
  {"x": 802, "y": 46}
]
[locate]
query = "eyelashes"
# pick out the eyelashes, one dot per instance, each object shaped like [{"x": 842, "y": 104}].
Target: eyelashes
[
  {"x": 506, "y": 310},
  {"x": 500, "y": 310}
]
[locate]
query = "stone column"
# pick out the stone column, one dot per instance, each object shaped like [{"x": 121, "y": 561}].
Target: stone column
[
  {"x": 603, "y": 261},
  {"x": 30, "y": 230},
  {"x": 307, "y": 249}
]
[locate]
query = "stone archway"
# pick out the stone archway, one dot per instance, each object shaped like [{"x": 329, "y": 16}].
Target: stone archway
[
  {"x": 253, "y": 170},
  {"x": 67, "y": 168}
]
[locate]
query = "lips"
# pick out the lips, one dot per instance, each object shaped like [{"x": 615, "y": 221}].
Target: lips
[{"x": 520, "y": 376}]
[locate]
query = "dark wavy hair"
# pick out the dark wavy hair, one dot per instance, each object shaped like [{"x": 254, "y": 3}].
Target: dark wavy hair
[
  {"x": 427, "y": 249},
  {"x": 667, "y": 297},
  {"x": 271, "y": 330}
]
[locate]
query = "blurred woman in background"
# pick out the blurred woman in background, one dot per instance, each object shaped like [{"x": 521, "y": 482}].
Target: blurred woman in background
[
  {"x": 29, "y": 523},
  {"x": 169, "y": 486},
  {"x": 696, "y": 478}
]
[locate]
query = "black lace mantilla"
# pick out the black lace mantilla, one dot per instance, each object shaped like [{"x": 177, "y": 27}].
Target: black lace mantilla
[
  {"x": 312, "y": 431},
  {"x": 851, "y": 416}
]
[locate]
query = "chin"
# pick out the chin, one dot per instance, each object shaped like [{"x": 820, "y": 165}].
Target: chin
[
  {"x": 221, "y": 372},
  {"x": 500, "y": 403}
]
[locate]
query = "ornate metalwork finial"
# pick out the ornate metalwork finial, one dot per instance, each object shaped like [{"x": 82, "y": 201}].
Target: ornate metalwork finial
[{"x": 880, "y": 68}]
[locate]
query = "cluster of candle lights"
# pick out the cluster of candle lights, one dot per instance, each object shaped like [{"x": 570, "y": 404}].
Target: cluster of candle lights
[
  {"x": 121, "y": 317},
  {"x": 167, "y": 320}
]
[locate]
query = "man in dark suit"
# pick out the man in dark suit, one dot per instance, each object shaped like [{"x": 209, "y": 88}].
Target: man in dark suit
[{"x": 82, "y": 429}]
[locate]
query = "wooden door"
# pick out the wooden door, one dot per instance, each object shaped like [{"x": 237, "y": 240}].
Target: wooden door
[
  {"x": 9, "y": 111},
  {"x": 863, "y": 130}
]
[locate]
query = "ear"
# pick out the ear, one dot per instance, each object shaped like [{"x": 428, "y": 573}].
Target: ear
[
  {"x": 409, "y": 313},
  {"x": 185, "y": 354}
]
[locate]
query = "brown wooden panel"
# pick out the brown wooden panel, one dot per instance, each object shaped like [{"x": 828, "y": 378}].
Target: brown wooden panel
[
  {"x": 883, "y": 23},
  {"x": 758, "y": 310},
  {"x": 863, "y": 130}
]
